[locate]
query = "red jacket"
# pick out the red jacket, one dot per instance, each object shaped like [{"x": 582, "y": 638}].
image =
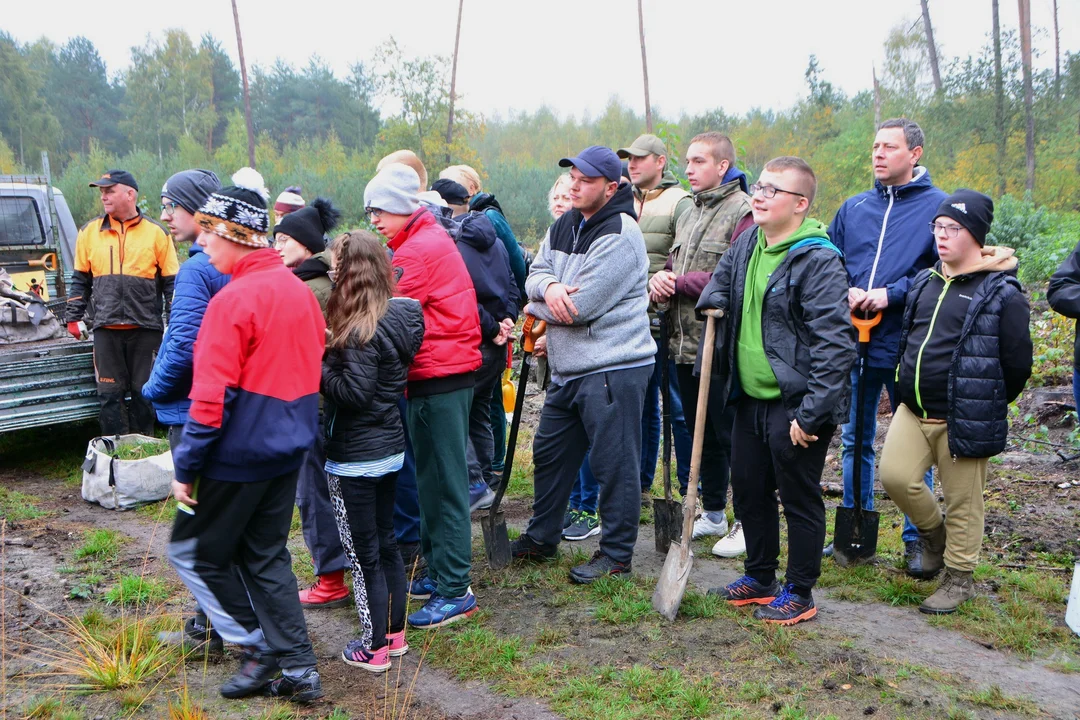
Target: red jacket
[
  {"x": 255, "y": 389},
  {"x": 429, "y": 268}
]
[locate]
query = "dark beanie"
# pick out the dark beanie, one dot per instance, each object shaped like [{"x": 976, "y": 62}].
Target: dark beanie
[
  {"x": 309, "y": 225},
  {"x": 452, "y": 192},
  {"x": 971, "y": 209},
  {"x": 190, "y": 188}
]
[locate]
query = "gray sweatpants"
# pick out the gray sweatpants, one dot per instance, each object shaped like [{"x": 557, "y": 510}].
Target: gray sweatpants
[{"x": 601, "y": 411}]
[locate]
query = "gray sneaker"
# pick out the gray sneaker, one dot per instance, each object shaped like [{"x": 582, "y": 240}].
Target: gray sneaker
[{"x": 585, "y": 526}]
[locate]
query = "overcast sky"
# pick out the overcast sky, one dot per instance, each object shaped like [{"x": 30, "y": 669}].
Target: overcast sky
[{"x": 571, "y": 55}]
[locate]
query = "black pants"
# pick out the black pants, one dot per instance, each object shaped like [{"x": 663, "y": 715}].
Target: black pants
[
  {"x": 244, "y": 527},
  {"x": 316, "y": 515},
  {"x": 481, "y": 446},
  {"x": 764, "y": 461},
  {"x": 716, "y": 448},
  {"x": 369, "y": 511},
  {"x": 122, "y": 361}
]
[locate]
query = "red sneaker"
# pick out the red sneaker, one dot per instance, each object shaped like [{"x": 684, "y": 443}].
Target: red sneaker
[
  {"x": 397, "y": 644},
  {"x": 329, "y": 591}
]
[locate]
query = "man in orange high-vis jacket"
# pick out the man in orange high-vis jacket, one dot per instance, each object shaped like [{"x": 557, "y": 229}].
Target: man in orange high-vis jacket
[{"x": 125, "y": 266}]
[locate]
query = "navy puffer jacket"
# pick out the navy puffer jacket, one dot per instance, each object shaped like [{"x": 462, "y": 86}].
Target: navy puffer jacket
[
  {"x": 170, "y": 380},
  {"x": 363, "y": 383},
  {"x": 489, "y": 267}
]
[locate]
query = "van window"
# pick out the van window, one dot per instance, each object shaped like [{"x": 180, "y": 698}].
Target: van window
[{"x": 19, "y": 222}]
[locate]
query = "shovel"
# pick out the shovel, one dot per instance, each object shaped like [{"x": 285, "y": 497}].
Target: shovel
[
  {"x": 676, "y": 571},
  {"x": 667, "y": 520},
  {"x": 1072, "y": 610},
  {"x": 856, "y": 531},
  {"x": 493, "y": 522}
]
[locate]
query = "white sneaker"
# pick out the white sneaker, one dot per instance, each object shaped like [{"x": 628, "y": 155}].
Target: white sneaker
[
  {"x": 703, "y": 526},
  {"x": 731, "y": 545}
]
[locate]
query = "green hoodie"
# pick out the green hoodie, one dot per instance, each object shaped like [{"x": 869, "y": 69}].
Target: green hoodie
[{"x": 755, "y": 374}]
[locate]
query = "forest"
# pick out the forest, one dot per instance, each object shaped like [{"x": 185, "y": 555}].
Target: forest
[{"x": 179, "y": 105}]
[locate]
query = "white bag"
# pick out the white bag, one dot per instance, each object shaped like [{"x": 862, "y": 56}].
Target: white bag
[{"x": 118, "y": 484}]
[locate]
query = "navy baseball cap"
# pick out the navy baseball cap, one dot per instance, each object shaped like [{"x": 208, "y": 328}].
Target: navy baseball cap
[
  {"x": 596, "y": 161},
  {"x": 116, "y": 177}
]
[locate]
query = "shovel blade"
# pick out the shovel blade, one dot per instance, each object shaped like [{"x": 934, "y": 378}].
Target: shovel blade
[
  {"x": 856, "y": 535},
  {"x": 496, "y": 540},
  {"x": 671, "y": 586},
  {"x": 667, "y": 523},
  {"x": 1072, "y": 610}
]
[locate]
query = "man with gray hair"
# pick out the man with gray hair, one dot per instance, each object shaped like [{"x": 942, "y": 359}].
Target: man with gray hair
[
  {"x": 886, "y": 239},
  {"x": 588, "y": 282}
]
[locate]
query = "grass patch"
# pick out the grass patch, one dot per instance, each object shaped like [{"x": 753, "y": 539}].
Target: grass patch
[
  {"x": 137, "y": 590},
  {"x": 1015, "y": 623},
  {"x": 994, "y": 698},
  {"x": 1067, "y": 666},
  {"x": 163, "y": 511},
  {"x": 16, "y": 506},
  {"x": 142, "y": 450},
  {"x": 101, "y": 544}
]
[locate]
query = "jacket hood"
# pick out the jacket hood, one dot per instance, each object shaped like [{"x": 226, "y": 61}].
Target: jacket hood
[
  {"x": 482, "y": 201},
  {"x": 315, "y": 266},
  {"x": 621, "y": 202},
  {"x": 735, "y": 173},
  {"x": 714, "y": 196},
  {"x": 919, "y": 182},
  {"x": 477, "y": 231},
  {"x": 405, "y": 320},
  {"x": 995, "y": 258},
  {"x": 195, "y": 249}
]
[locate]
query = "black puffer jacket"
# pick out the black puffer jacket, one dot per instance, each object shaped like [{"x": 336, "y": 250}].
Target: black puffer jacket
[
  {"x": 965, "y": 352},
  {"x": 362, "y": 386},
  {"x": 485, "y": 257},
  {"x": 1064, "y": 294},
  {"x": 808, "y": 336}
]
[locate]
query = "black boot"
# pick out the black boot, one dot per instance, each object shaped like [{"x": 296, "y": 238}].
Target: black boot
[
  {"x": 599, "y": 566},
  {"x": 304, "y": 689},
  {"x": 929, "y": 556},
  {"x": 255, "y": 673}
]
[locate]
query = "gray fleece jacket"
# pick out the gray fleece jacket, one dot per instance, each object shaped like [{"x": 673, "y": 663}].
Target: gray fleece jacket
[{"x": 605, "y": 258}]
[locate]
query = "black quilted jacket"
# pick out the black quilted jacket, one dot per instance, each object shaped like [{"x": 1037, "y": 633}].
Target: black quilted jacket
[{"x": 362, "y": 386}]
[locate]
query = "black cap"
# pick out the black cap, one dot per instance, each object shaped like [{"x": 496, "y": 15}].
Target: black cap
[
  {"x": 596, "y": 161},
  {"x": 971, "y": 209},
  {"x": 453, "y": 193},
  {"x": 309, "y": 225},
  {"x": 116, "y": 177}
]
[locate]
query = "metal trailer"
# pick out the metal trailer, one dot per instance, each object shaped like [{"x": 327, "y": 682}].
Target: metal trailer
[{"x": 52, "y": 381}]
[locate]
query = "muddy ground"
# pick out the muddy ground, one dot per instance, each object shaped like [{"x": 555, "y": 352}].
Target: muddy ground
[{"x": 861, "y": 656}]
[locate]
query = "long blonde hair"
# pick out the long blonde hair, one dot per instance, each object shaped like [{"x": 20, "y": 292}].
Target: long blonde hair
[{"x": 364, "y": 286}]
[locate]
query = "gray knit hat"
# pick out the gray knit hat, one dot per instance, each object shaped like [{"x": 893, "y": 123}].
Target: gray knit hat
[
  {"x": 393, "y": 190},
  {"x": 190, "y": 188}
]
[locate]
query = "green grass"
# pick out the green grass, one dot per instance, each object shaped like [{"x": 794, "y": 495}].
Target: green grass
[
  {"x": 993, "y": 698},
  {"x": 16, "y": 506},
  {"x": 163, "y": 511},
  {"x": 103, "y": 544},
  {"x": 137, "y": 590}
]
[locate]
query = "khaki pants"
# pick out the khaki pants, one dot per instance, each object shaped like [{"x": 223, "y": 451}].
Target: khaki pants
[{"x": 912, "y": 447}]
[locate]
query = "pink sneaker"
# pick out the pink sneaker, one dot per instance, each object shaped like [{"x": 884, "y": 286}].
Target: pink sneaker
[
  {"x": 397, "y": 644},
  {"x": 376, "y": 661}
]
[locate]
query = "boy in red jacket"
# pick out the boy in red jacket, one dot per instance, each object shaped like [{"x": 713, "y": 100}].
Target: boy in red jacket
[
  {"x": 254, "y": 414},
  {"x": 429, "y": 269}
]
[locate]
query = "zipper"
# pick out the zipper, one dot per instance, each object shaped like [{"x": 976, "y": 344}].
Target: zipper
[
  {"x": 685, "y": 259},
  {"x": 881, "y": 238},
  {"x": 929, "y": 333}
]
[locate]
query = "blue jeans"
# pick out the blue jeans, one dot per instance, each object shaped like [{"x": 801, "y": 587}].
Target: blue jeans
[
  {"x": 651, "y": 428},
  {"x": 680, "y": 435},
  {"x": 1076, "y": 388},
  {"x": 876, "y": 379},
  {"x": 586, "y": 491}
]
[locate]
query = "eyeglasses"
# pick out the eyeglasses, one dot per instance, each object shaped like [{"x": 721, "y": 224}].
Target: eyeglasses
[
  {"x": 769, "y": 192},
  {"x": 949, "y": 231},
  {"x": 374, "y": 213},
  {"x": 169, "y": 208}
]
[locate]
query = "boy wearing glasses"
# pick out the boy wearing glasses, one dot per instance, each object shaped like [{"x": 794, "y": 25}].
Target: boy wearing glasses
[
  {"x": 965, "y": 354},
  {"x": 785, "y": 348}
]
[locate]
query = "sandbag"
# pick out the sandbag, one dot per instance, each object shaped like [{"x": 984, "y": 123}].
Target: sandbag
[{"x": 118, "y": 484}]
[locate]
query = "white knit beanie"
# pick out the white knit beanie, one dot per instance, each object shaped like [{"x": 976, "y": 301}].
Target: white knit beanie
[{"x": 393, "y": 190}]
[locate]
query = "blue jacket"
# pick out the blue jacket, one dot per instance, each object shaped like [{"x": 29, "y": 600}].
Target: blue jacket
[
  {"x": 170, "y": 380},
  {"x": 889, "y": 227},
  {"x": 489, "y": 267},
  {"x": 487, "y": 204}
]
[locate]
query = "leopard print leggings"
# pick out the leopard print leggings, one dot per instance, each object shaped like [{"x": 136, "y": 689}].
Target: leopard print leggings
[{"x": 359, "y": 588}]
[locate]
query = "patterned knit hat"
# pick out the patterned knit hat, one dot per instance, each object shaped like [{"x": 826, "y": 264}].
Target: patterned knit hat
[{"x": 238, "y": 213}]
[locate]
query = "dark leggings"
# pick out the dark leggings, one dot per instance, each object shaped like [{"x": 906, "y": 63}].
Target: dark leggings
[{"x": 369, "y": 509}]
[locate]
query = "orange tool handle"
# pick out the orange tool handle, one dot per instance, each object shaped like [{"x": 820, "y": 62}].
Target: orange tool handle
[
  {"x": 531, "y": 331},
  {"x": 47, "y": 261},
  {"x": 864, "y": 325}
]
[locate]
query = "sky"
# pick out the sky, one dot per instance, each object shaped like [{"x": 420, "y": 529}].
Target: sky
[{"x": 570, "y": 56}]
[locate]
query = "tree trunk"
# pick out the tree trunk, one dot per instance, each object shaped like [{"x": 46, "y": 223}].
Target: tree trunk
[
  {"x": 999, "y": 105},
  {"x": 932, "y": 48},
  {"x": 453, "y": 83},
  {"x": 877, "y": 99},
  {"x": 247, "y": 94},
  {"x": 1029, "y": 99},
  {"x": 1057, "y": 56},
  {"x": 644, "y": 68}
]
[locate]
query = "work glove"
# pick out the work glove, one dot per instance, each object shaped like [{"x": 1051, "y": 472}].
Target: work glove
[{"x": 76, "y": 329}]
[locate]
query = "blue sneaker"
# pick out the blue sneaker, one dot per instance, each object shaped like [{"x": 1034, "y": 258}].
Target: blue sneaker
[
  {"x": 481, "y": 496},
  {"x": 421, "y": 588},
  {"x": 439, "y": 611}
]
